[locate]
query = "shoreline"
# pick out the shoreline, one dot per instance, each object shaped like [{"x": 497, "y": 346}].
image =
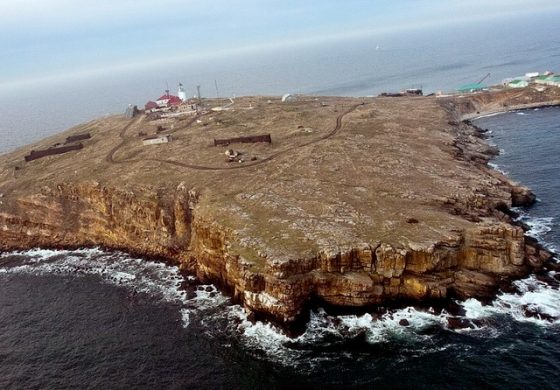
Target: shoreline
[
  {"x": 237, "y": 243},
  {"x": 504, "y": 110}
]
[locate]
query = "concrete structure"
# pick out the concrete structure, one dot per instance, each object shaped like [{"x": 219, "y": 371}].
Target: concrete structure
[
  {"x": 77, "y": 137},
  {"x": 156, "y": 140},
  {"x": 37, "y": 154},
  {"x": 244, "y": 140}
]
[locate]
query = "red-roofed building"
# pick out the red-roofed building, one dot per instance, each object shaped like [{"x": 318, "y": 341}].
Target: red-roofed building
[
  {"x": 150, "y": 105},
  {"x": 168, "y": 100}
]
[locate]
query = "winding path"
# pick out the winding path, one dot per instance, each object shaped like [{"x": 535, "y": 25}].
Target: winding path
[{"x": 111, "y": 159}]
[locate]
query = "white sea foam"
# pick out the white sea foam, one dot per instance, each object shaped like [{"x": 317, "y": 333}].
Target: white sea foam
[
  {"x": 141, "y": 276},
  {"x": 538, "y": 227},
  {"x": 389, "y": 325},
  {"x": 497, "y": 168},
  {"x": 536, "y": 302}
]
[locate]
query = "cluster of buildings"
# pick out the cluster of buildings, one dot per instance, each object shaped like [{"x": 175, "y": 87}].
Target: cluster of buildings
[
  {"x": 546, "y": 78},
  {"x": 167, "y": 101},
  {"x": 533, "y": 78}
]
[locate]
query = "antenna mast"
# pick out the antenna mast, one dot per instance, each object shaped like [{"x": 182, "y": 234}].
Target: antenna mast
[{"x": 217, "y": 91}]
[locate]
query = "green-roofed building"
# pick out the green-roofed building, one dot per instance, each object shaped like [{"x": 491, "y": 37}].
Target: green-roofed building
[
  {"x": 548, "y": 80},
  {"x": 473, "y": 87},
  {"x": 518, "y": 84}
]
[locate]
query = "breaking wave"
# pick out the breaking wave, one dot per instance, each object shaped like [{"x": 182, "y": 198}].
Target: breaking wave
[
  {"x": 539, "y": 228},
  {"x": 497, "y": 168},
  {"x": 535, "y": 301},
  {"x": 208, "y": 310},
  {"x": 158, "y": 280}
]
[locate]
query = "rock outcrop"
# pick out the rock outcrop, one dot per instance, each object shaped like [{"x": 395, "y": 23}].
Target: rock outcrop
[
  {"x": 169, "y": 226},
  {"x": 389, "y": 210}
]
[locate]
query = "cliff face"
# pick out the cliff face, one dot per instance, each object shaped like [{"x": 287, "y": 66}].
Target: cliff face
[
  {"x": 143, "y": 221},
  {"x": 390, "y": 199}
]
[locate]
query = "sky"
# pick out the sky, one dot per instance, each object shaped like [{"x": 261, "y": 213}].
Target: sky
[{"x": 45, "y": 40}]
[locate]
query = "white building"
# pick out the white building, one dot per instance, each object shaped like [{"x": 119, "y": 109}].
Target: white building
[
  {"x": 156, "y": 140},
  {"x": 181, "y": 93}
]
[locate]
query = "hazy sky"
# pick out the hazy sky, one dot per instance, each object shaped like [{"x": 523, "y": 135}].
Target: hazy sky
[{"x": 50, "y": 39}]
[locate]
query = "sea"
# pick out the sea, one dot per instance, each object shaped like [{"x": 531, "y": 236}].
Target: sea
[{"x": 91, "y": 318}]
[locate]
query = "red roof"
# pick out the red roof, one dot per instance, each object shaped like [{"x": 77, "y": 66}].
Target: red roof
[
  {"x": 150, "y": 105},
  {"x": 174, "y": 100},
  {"x": 163, "y": 97}
]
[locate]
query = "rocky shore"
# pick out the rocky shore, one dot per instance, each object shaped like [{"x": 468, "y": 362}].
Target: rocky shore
[{"x": 355, "y": 203}]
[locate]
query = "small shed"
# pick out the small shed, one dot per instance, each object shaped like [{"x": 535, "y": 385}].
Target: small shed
[{"x": 157, "y": 139}]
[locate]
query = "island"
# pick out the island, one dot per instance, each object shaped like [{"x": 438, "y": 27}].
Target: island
[{"x": 285, "y": 203}]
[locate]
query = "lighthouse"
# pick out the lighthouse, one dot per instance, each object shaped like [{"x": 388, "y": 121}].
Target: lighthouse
[{"x": 181, "y": 93}]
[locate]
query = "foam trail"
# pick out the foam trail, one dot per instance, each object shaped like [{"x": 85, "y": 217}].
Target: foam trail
[
  {"x": 210, "y": 311},
  {"x": 535, "y": 302},
  {"x": 497, "y": 168},
  {"x": 538, "y": 227},
  {"x": 159, "y": 280}
]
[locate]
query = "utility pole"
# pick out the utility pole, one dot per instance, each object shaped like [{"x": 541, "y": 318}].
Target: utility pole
[
  {"x": 217, "y": 91},
  {"x": 198, "y": 94}
]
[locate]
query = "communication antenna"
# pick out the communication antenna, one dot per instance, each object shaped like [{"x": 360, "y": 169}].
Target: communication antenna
[
  {"x": 217, "y": 91},
  {"x": 167, "y": 88},
  {"x": 198, "y": 93}
]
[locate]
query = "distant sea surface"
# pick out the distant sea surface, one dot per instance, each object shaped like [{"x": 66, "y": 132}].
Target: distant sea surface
[
  {"x": 95, "y": 319},
  {"x": 435, "y": 59}
]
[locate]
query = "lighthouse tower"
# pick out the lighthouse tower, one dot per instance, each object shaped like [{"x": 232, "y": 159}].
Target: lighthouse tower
[{"x": 181, "y": 93}]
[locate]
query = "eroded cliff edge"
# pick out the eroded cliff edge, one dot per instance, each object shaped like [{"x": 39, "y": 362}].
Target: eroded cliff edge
[{"x": 397, "y": 203}]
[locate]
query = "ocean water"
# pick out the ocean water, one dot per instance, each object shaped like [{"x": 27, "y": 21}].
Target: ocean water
[{"x": 95, "y": 319}]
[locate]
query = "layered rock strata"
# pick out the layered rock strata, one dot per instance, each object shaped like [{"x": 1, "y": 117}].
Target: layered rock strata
[{"x": 397, "y": 204}]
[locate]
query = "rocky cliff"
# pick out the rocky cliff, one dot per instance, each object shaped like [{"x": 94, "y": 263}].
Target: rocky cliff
[{"x": 390, "y": 200}]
